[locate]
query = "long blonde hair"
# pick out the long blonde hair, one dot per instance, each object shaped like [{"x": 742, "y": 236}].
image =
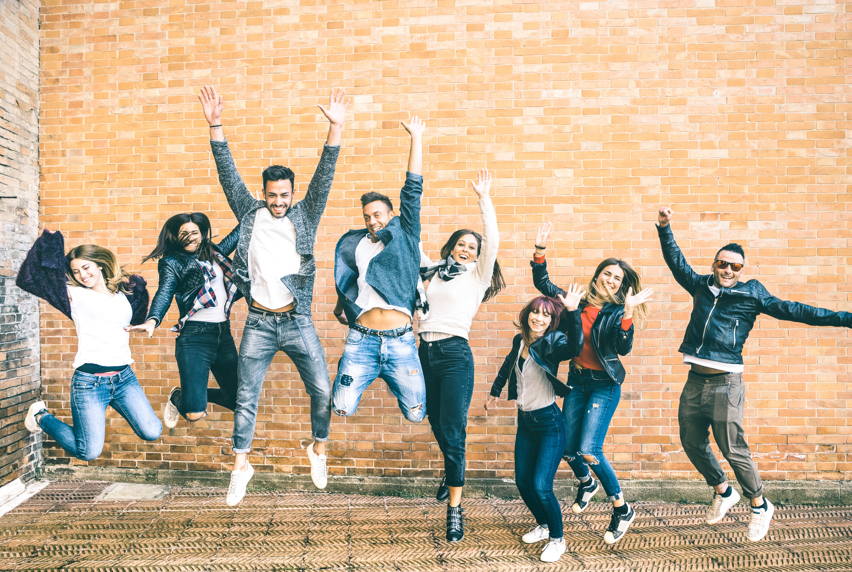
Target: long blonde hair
[
  {"x": 631, "y": 280},
  {"x": 115, "y": 278}
]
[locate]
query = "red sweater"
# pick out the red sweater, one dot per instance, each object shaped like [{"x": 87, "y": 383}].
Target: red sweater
[{"x": 588, "y": 358}]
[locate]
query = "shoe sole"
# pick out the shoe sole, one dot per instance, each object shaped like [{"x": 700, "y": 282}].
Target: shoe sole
[
  {"x": 30, "y": 420},
  {"x": 575, "y": 508},
  {"x": 166, "y": 407},
  {"x": 771, "y": 512}
]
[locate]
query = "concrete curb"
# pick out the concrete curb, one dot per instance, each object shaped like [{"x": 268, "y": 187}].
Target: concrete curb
[{"x": 780, "y": 492}]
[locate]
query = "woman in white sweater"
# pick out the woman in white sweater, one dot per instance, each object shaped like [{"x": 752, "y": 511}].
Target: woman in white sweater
[{"x": 467, "y": 275}]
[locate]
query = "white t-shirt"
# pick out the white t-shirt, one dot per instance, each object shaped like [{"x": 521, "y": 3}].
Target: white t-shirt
[
  {"x": 272, "y": 255},
  {"x": 368, "y": 298},
  {"x": 100, "y": 320},
  {"x": 721, "y": 366},
  {"x": 215, "y": 313}
]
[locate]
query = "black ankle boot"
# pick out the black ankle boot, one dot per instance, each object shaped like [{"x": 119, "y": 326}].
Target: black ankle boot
[{"x": 455, "y": 523}]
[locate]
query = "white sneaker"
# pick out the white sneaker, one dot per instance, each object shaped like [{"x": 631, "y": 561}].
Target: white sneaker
[
  {"x": 553, "y": 550},
  {"x": 30, "y": 420},
  {"x": 760, "y": 517},
  {"x": 239, "y": 482},
  {"x": 720, "y": 506},
  {"x": 319, "y": 468},
  {"x": 171, "y": 415},
  {"x": 536, "y": 534}
]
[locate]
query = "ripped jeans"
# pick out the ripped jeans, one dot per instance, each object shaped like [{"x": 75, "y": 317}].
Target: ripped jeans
[
  {"x": 588, "y": 411},
  {"x": 370, "y": 354}
]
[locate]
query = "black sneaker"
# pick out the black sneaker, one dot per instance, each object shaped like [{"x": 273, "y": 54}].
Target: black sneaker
[
  {"x": 618, "y": 526},
  {"x": 443, "y": 490},
  {"x": 455, "y": 523},
  {"x": 585, "y": 492}
]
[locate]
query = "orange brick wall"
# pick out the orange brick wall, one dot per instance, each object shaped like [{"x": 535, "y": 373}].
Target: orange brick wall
[{"x": 590, "y": 114}]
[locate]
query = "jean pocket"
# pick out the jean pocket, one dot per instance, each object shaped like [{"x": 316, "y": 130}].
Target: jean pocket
[
  {"x": 309, "y": 337},
  {"x": 354, "y": 338},
  {"x": 84, "y": 382},
  {"x": 253, "y": 320},
  {"x": 736, "y": 394}
]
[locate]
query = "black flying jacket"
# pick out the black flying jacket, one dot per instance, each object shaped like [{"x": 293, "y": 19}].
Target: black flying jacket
[
  {"x": 548, "y": 352},
  {"x": 608, "y": 338},
  {"x": 720, "y": 325}
]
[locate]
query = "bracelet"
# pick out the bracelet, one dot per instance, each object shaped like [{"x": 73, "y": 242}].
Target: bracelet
[
  {"x": 540, "y": 247},
  {"x": 215, "y": 126},
  {"x": 338, "y": 314}
]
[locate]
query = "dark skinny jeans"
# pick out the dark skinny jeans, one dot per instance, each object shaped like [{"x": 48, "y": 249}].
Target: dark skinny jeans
[{"x": 203, "y": 348}]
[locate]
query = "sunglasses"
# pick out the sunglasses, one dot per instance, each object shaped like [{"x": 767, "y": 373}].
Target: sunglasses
[{"x": 722, "y": 264}]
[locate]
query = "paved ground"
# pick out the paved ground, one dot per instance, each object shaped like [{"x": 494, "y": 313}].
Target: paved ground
[{"x": 64, "y": 527}]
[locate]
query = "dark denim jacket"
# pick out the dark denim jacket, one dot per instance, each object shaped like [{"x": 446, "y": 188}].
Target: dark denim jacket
[
  {"x": 43, "y": 275},
  {"x": 548, "y": 352},
  {"x": 393, "y": 273},
  {"x": 719, "y": 325},
  {"x": 181, "y": 278}
]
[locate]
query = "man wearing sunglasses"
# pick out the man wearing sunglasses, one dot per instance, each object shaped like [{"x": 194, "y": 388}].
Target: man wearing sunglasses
[{"x": 723, "y": 313}]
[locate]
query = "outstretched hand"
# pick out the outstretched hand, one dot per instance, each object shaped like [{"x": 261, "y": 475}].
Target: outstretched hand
[
  {"x": 338, "y": 103},
  {"x": 665, "y": 216},
  {"x": 146, "y": 327},
  {"x": 483, "y": 187},
  {"x": 490, "y": 402},
  {"x": 572, "y": 297},
  {"x": 415, "y": 127},
  {"x": 632, "y": 300},
  {"x": 212, "y": 104},
  {"x": 543, "y": 234}
]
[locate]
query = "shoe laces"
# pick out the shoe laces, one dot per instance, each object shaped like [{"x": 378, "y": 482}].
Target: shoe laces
[
  {"x": 717, "y": 503},
  {"x": 756, "y": 520}
]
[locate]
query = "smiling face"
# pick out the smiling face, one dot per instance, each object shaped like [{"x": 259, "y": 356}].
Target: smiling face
[
  {"x": 87, "y": 273},
  {"x": 609, "y": 279},
  {"x": 466, "y": 249},
  {"x": 279, "y": 197},
  {"x": 190, "y": 236},
  {"x": 727, "y": 277},
  {"x": 538, "y": 321},
  {"x": 377, "y": 215}
]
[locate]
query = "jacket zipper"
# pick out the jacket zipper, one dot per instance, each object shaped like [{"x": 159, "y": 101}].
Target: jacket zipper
[
  {"x": 704, "y": 333},
  {"x": 736, "y": 325}
]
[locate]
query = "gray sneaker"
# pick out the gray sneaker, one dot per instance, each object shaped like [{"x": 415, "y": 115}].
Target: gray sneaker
[
  {"x": 720, "y": 506},
  {"x": 171, "y": 415},
  {"x": 760, "y": 517}
]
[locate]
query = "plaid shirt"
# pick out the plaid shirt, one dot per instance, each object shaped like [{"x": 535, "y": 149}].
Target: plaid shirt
[{"x": 206, "y": 297}]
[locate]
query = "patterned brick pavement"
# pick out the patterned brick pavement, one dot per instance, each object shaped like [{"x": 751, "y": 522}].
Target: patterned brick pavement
[{"x": 192, "y": 529}]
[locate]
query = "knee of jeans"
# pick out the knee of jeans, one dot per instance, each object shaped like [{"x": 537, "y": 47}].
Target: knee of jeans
[
  {"x": 415, "y": 414},
  {"x": 152, "y": 432},
  {"x": 90, "y": 454},
  {"x": 195, "y": 416}
]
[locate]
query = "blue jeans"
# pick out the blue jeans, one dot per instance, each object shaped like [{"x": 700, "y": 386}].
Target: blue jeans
[
  {"x": 539, "y": 446},
  {"x": 90, "y": 395},
  {"x": 371, "y": 354},
  {"x": 264, "y": 336},
  {"x": 448, "y": 371},
  {"x": 202, "y": 348},
  {"x": 588, "y": 412}
]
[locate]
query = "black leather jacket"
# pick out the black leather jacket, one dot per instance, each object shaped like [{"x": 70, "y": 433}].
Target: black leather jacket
[
  {"x": 548, "y": 352},
  {"x": 608, "y": 338},
  {"x": 181, "y": 278},
  {"x": 720, "y": 325}
]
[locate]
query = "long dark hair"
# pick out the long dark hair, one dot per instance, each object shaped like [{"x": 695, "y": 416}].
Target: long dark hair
[
  {"x": 170, "y": 241},
  {"x": 551, "y": 306},
  {"x": 631, "y": 280},
  {"x": 497, "y": 281}
]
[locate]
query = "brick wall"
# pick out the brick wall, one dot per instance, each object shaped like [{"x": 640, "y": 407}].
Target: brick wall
[
  {"x": 590, "y": 114},
  {"x": 20, "y": 452}
]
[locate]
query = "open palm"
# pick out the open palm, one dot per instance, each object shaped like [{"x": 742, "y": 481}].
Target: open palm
[{"x": 338, "y": 103}]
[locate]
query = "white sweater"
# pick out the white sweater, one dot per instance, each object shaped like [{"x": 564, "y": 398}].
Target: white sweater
[{"x": 454, "y": 303}]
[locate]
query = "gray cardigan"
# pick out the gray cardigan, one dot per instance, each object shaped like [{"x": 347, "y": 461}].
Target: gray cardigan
[{"x": 305, "y": 216}]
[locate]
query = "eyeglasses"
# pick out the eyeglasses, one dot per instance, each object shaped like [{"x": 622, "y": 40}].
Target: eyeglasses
[{"x": 722, "y": 264}]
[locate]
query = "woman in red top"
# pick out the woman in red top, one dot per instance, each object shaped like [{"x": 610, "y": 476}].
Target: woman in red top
[{"x": 609, "y": 311}]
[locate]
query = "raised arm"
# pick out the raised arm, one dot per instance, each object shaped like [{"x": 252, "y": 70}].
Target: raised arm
[
  {"x": 682, "y": 271},
  {"x": 229, "y": 243},
  {"x": 239, "y": 198},
  {"x": 490, "y": 235},
  {"x": 541, "y": 279},
  {"x": 412, "y": 191},
  {"x": 42, "y": 273},
  {"x": 801, "y": 313},
  {"x": 165, "y": 293}
]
